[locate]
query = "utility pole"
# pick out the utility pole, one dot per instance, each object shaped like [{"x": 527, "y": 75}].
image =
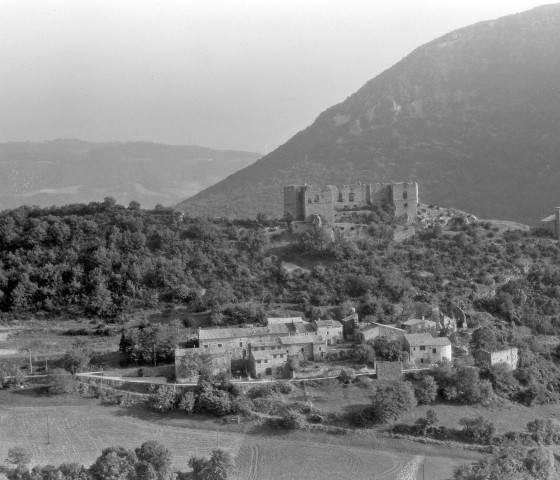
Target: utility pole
[{"x": 30, "y": 363}]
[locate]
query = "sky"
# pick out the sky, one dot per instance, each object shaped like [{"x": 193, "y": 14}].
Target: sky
[{"x": 228, "y": 74}]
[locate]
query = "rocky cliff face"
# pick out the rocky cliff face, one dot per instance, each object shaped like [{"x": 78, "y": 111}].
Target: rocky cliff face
[
  {"x": 473, "y": 116},
  {"x": 73, "y": 171}
]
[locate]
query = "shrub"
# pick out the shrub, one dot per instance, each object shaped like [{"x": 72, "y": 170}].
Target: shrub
[
  {"x": 62, "y": 381},
  {"x": 187, "y": 402},
  {"x": 545, "y": 431},
  {"x": 164, "y": 399},
  {"x": 293, "y": 420},
  {"x": 477, "y": 430},
  {"x": 392, "y": 399},
  {"x": 346, "y": 376},
  {"x": 426, "y": 390}
]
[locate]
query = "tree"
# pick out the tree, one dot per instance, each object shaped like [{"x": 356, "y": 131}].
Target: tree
[
  {"x": 77, "y": 359},
  {"x": 392, "y": 399},
  {"x": 134, "y": 205},
  {"x": 62, "y": 381},
  {"x": 115, "y": 463},
  {"x": 219, "y": 466},
  {"x": 478, "y": 429},
  {"x": 427, "y": 423},
  {"x": 387, "y": 348},
  {"x": 18, "y": 456},
  {"x": 484, "y": 338},
  {"x": 426, "y": 390},
  {"x": 158, "y": 456}
]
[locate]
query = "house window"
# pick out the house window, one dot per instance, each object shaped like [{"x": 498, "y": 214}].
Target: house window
[
  {"x": 281, "y": 355},
  {"x": 351, "y": 197},
  {"x": 240, "y": 344},
  {"x": 405, "y": 205},
  {"x": 423, "y": 348},
  {"x": 219, "y": 344},
  {"x": 320, "y": 349},
  {"x": 205, "y": 346},
  {"x": 434, "y": 350},
  {"x": 405, "y": 195},
  {"x": 421, "y": 360},
  {"x": 340, "y": 196},
  {"x": 317, "y": 198},
  {"x": 309, "y": 200},
  {"x": 265, "y": 361},
  {"x": 274, "y": 356},
  {"x": 258, "y": 361}
]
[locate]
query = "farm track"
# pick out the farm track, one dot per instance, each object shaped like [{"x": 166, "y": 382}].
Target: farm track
[{"x": 79, "y": 433}]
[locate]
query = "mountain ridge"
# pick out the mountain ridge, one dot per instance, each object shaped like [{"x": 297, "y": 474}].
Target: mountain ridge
[
  {"x": 63, "y": 171},
  {"x": 470, "y": 115}
]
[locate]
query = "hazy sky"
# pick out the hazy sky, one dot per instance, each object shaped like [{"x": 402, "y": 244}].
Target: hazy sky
[{"x": 233, "y": 74}]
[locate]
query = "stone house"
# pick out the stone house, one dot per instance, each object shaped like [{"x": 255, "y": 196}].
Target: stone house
[
  {"x": 370, "y": 331},
  {"x": 417, "y": 325},
  {"x": 509, "y": 356},
  {"x": 267, "y": 364},
  {"x": 425, "y": 349},
  {"x": 307, "y": 347},
  {"x": 330, "y": 330}
]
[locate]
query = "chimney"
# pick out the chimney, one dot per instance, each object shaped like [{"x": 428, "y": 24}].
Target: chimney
[{"x": 557, "y": 223}]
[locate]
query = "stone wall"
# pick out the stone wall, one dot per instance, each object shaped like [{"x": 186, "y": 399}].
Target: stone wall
[
  {"x": 293, "y": 201},
  {"x": 319, "y": 201},
  {"x": 404, "y": 197}
]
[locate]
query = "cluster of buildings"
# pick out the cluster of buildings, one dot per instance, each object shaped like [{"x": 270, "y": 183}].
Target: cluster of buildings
[
  {"x": 262, "y": 351},
  {"x": 265, "y": 351}
]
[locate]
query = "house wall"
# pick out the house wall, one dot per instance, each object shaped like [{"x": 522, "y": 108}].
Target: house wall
[
  {"x": 269, "y": 367},
  {"x": 430, "y": 354},
  {"x": 509, "y": 356},
  {"x": 332, "y": 335}
]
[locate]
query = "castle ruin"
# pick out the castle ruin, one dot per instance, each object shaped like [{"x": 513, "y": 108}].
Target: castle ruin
[{"x": 333, "y": 204}]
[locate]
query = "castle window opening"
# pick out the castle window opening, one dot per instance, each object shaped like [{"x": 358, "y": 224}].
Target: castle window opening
[
  {"x": 317, "y": 198},
  {"x": 351, "y": 197},
  {"x": 405, "y": 205},
  {"x": 309, "y": 200},
  {"x": 405, "y": 194},
  {"x": 340, "y": 196}
]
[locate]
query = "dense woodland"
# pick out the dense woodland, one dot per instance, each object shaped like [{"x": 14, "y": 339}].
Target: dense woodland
[{"x": 103, "y": 260}]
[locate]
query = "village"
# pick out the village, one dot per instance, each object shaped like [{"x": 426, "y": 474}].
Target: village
[{"x": 276, "y": 350}]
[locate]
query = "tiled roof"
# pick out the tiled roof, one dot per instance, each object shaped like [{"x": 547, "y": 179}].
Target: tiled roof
[
  {"x": 277, "y": 320},
  {"x": 425, "y": 339},
  {"x": 304, "y": 327},
  {"x": 211, "y": 350},
  {"x": 230, "y": 333},
  {"x": 328, "y": 323},
  {"x": 295, "y": 339},
  {"x": 381, "y": 326},
  {"x": 415, "y": 321}
]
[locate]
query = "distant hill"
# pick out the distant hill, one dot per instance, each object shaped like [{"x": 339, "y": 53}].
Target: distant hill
[
  {"x": 74, "y": 171},
  {"x": 473, "y": 116}
]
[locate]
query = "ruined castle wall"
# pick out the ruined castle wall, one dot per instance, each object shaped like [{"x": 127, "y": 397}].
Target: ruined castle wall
[
  {"x": 351, "y": 197},
  {"x": 319, "y": 201},
  {"x": 380, "y": 193},
  {"x": 405, "y": 199},
  {"x": 293, "y": 201}
]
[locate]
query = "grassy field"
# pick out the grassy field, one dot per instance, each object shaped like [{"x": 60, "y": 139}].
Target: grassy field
[{"x": 59, "y": 429}]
